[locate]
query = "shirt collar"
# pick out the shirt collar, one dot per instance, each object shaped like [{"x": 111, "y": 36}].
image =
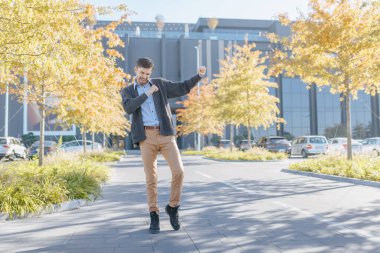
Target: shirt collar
[{"x": 136, "y": 84}]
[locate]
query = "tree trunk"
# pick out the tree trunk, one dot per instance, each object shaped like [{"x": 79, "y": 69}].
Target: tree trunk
[
  {"x": 195, "y": 141},
  {"x": 231, "y": 137},
  {"x": 84, "y": 140},
  {"x": 349, "y": 134},
  {"x": 93, "y": 141},
  {"x": 42, "y": 133},
  {"x": 200, "y": 141},
  {"x": 249, "y": 137},
  {"x": 104, "y": 140}
]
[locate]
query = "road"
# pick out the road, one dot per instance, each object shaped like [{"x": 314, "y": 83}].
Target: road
[{"x": 226, "y": 207}]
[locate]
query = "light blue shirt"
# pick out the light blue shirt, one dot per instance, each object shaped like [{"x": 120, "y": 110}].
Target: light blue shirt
[{"x": 148, "y": 110}]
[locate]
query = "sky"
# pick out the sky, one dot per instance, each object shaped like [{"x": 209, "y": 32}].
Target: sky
[{"x": 188, "y": 11}]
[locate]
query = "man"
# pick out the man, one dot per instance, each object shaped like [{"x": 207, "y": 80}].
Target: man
[{"x": 152, "y": 128}]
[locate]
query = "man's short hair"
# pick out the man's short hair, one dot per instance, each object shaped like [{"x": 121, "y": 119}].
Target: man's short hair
[{"x": 145, "y": 63}]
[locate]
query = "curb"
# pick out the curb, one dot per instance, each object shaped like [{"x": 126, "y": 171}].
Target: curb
[
  {"x": 57, "y": 208},
  {"x": 334, "y": 178}
]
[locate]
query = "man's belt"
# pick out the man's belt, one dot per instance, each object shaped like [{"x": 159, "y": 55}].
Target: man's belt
[{"x": 152, "y": 127}]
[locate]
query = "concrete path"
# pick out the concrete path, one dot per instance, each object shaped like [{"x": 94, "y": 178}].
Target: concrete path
[{"x": 226, "y": 207}]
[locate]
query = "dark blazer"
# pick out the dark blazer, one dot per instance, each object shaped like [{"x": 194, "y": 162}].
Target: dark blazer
[{"x": 166, "y": 89}]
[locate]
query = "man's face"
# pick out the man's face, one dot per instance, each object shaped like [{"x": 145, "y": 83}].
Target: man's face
[{"x": 143, "y": 75}]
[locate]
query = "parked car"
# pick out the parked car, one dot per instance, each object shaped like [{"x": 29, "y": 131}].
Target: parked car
[
  {"x": 244, "y": 144},
  {"x": 49, "y": 148},
  {"x": 275, "y": 144},
  {"x": 371, "y": 145},
  {"x": 78, "y": 146},
  {"x": 309, "y": 145},
  {"x": 339, "y": 146},
  {"x": 224, "y": 144},
  {"x": 360, "y": 141},
  {"x": 12, "y": 148}
]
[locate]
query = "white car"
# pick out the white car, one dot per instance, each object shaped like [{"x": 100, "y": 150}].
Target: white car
[
  {"x": 309, "y": 145},
  {"x": 11, "y": 148},
  {"x": 371, "y": 145},
  {"x": 339, "y": 146},
  {"x": 78, "y": 146}
]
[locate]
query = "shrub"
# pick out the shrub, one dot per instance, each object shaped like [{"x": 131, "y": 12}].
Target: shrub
[
  {"x": 255, "y": 154},
  {"x": 193, "y": 152},
  {"x": 361, "y": 167},
  {"x": 107, "y": 156},
  {"x": 27, "y": 188}
]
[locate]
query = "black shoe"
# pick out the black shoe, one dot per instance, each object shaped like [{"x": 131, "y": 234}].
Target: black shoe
[
  {"x": 174, "y": 218},
  {"x": 154, "y": 223}
]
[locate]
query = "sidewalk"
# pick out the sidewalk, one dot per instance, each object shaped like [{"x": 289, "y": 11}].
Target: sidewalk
[{"x": 226, "y": 207}]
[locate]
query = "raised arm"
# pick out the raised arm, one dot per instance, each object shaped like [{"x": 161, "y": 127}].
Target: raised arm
[{"x": 178, "y": 89}]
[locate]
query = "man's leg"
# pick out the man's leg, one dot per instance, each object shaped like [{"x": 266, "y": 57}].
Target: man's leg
[
  {"x": 149, "y": 151},
  {"x": 169, "y": 150}
]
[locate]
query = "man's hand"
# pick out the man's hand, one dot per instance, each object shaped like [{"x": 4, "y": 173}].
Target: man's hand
[
  {"x": 152, "y": 89},
  {"x": 202, "y": 71}
]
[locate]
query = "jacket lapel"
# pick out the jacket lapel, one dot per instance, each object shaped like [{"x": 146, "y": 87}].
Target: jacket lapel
[{"x": 135, "y": 93}]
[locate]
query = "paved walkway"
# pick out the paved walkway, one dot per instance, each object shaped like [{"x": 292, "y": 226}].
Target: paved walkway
[{"x": 227, "y": 207}]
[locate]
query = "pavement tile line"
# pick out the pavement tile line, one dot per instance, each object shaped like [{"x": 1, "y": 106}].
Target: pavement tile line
[{"x": 339, "y": 228}]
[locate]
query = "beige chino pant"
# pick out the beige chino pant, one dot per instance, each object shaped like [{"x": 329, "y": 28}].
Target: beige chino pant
[{"x": 167, "y": 146}]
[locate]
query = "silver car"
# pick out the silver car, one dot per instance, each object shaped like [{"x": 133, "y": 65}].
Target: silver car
[
  {"x": 11, "y": 148},
  {"x": 78, "y": 146},
  {"x": 309, "y": 145},
  {"x": 371, "y": 145},
  {"x": 339, "y": 146}
]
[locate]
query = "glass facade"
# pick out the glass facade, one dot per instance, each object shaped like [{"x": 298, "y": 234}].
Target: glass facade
[
  {"x": 296, "y": 107},
  {"x": 361, "y": 121},
  {"x": 329, "y": 113},
  {"x": 257, "y": 133}
]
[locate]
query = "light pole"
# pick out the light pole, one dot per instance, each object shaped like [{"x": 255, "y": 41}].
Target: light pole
[{"x": 198, "y": 135}]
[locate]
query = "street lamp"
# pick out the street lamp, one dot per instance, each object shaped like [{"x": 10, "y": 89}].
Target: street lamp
[
  {"x": 160, "y": 23},
  {"x": 6, "y": 111},
  {"x": 198, "y": 135}
]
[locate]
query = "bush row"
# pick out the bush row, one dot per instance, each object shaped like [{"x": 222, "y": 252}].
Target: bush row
[{"x": 26, "y": 188}]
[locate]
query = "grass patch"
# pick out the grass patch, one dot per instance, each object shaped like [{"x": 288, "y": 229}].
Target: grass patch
[
  {"x": 107, "y": 156},
  {"x": 204, "y": 151},
  {"x": 27, "y": 188},
  {"x": 361, "y": 167},
  {"x": 255, "y": 154},
  {"x": 193, "y": 152}
]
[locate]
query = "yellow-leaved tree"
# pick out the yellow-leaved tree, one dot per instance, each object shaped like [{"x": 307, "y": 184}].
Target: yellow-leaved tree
[
  {"x": 49, "y": 41},
  {"x": 242, "y": 96},
  {"x": 93, "y": 103},
  {"x": 50, "y": 36},
  {"x": 197, "y": 114},
  {"x": 337, "y": 45}
]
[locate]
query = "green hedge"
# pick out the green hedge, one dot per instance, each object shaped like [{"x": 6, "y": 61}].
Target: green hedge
[
  {"x": 361, "y": 167},
  {"x": 27, "y": 188}
]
